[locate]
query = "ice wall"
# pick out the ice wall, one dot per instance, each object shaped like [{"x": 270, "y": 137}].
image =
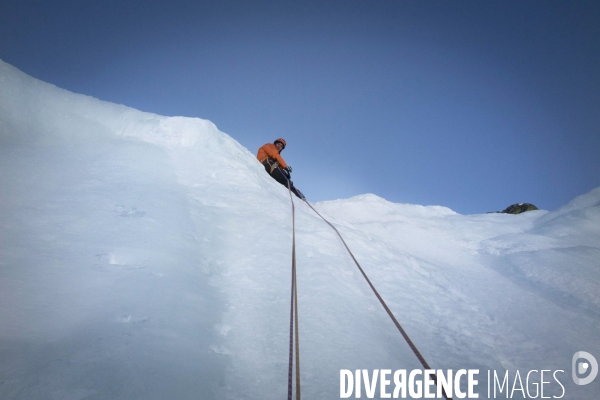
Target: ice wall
[{"x": 148, "y": 257}]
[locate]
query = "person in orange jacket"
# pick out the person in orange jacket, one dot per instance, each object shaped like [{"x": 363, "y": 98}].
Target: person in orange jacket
[{"x": 270, "y": 157}]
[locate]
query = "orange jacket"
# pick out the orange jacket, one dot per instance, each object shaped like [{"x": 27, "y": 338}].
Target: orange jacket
[{"x": 269, "y": 150}]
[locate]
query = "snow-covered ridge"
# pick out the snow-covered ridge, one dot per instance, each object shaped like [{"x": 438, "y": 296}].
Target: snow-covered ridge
[
  {"x": 38, "y": 112},
  {"x": 372, "y": 208},
  {"x": 148, "y": 257}
]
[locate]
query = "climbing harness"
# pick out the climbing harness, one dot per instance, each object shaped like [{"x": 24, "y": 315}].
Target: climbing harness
[
  {"x": 273, "y": 164},
  {"x": 294, "y": 312}
]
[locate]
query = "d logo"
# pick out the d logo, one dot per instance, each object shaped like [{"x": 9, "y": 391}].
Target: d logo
[{"x": 583, "y": 367}]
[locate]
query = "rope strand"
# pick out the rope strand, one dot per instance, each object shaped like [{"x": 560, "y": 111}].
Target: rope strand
[
  {"x": 294, "y": 311},
  {"x": 387, "y": 309},
  {"x": 291, "y": 353}
]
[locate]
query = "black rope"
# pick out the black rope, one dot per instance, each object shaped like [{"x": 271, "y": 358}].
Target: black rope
[
  {"x": 294, "y": 312},
  {"x": 291, "y": 357},
  {"x": 387, "y": 309}
]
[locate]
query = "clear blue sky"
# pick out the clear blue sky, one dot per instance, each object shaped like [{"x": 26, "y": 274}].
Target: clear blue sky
[{"x": 473, "y": 105}]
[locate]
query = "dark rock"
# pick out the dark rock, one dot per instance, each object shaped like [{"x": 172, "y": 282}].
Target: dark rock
[{"x": 519, "y": 208}]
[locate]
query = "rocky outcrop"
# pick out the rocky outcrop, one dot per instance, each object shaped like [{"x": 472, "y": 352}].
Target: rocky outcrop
[{"x": 519, "y": 208}]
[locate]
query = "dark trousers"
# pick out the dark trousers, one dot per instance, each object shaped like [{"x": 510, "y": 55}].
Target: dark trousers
[{"x": 281, "y": 176}]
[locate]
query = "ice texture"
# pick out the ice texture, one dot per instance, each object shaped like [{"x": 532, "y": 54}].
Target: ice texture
[{"x": 149, "y": 257}]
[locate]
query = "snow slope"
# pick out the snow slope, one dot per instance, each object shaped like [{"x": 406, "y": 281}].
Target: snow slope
[{"x": 148, "y": 257}]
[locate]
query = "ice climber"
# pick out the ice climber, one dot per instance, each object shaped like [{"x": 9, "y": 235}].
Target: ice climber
[{"x": 269, "y": 155}]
